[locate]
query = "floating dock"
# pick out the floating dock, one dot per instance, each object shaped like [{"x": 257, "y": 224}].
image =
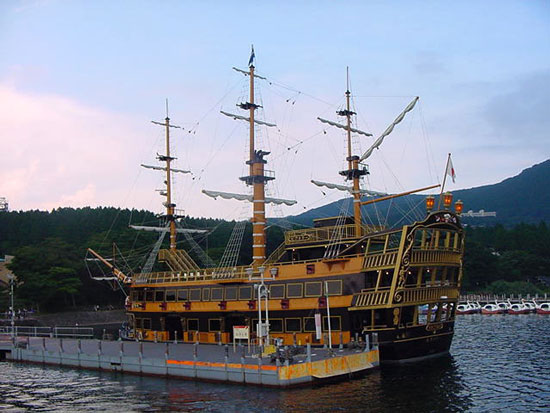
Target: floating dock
[{"x": 201, "y": 362}]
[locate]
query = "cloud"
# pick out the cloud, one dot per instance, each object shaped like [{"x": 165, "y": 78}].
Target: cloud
[{"x": 55, "y": 151}]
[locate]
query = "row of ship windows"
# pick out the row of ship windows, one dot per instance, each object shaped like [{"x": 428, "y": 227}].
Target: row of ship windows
[
  {"x": 276, "y": 325},
  {"x": 276, "y": 291}
]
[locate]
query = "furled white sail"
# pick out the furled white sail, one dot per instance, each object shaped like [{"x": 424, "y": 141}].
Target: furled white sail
[
  {"x": 239, "y": 117},
  {"x": 346, "y": 188},
  {"x": 389, "y": 129},
  {"x": 244, "y": 72},
  {"x": 338, "y": 125},
  {"x": 167, "y": 229},
  {"x": 163, "y": 168},
  {"x": 244, "y": 197}
]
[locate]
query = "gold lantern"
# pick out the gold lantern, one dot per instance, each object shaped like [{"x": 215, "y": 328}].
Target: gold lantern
[{"x": 447, "y": 200}]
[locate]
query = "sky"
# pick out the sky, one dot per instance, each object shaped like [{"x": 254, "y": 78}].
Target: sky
[{"x": 80, "y": 82}]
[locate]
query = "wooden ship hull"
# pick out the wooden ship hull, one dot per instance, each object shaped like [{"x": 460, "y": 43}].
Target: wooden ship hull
[{"x": 374, "y": 285}]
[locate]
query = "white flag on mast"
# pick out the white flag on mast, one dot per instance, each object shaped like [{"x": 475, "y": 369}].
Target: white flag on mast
[{"x": 451, "y": 169}]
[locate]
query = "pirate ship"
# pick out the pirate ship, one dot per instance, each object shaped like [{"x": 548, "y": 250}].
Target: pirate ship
[{"x": 341, "y": 281}]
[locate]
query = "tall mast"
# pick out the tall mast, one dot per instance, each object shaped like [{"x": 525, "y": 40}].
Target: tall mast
[
  {"x": 353, "y": 172},
  {"x": 256, "y": 178},
  {"x": 170, "y": 207}
]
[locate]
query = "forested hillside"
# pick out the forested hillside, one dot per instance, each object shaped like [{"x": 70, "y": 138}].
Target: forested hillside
[
  {"x": 50, "y": 247},
  {"x": 522, "y": 198}
]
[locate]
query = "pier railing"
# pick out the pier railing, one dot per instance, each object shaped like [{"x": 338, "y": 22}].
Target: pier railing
[{"x": 56, "y": 332}]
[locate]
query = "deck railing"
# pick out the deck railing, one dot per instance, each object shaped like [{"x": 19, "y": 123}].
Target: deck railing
[{"x": 341, "y": 233}]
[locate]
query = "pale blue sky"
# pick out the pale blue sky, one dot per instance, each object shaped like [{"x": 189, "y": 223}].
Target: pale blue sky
[{"x": 482, "y": 70}]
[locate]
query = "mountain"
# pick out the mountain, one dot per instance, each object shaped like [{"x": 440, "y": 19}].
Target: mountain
[{"x": 522, "y": 198}]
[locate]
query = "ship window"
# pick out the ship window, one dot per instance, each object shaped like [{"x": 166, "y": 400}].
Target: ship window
[
  {"x": 135, "y": 296},
  {"x": 276, "y": 325},
  {"x": 146, "y": 323},
  {"x": 195, "y": 294},
  {"x": 149, "y": 295},
  {"x": 214, "y": 324},
  {"x": 192, "y": 324},
  {"x": 171, "y": 295},
  {"x": 293, "y": 325},
  {"x": 294, "y": 290},
  {"x": 206, "y": 294},
  {"x": 140, "y": 294},
  {"x": 182, "y": 295},
  {"x": 313, "y": 289},
  {"x": 335, "y": 323},
  {"x": 277, "y": 291},
  {"x": 334, "y": 287},
  {"x": 138, "y": 323},
  {"x": 245, "y": 293},
  {"x": 159, "y": 295},
  {"x": 217, "y": 294},
  {"x": 309, "y": 324},
  {"x": 231, "y": 293}
]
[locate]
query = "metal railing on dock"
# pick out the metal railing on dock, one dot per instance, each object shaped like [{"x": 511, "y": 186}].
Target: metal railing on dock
[{"x": 56, "y": 332}]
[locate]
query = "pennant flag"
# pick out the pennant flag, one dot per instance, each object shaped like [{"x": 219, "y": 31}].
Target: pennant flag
[
  {"x": 252, "y": 56},
  {"x": 451, "y": 169}
]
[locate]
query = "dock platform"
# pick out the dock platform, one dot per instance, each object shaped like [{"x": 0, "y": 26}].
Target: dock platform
[{"x": 202, "y": 362}]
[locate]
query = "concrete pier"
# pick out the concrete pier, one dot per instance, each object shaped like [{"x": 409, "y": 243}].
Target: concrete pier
[{"x": 205, "y": 362}]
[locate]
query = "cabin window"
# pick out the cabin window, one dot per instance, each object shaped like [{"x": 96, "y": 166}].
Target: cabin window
[
  {"x": 195, "y": 294},
  {"x": 140, "y": 294},
  {"x": 217, "y": 294},
  {"x": 171, "y": 295},
  {"x": 309, "y": 324},
  {"x": 310, "y": 269},
  {"x": 295, "y": 290},
  {"x": 277, "y": 291},
  {"x": 231, "y": 293},
  {"x": 192, "y": 324},
  {"x": 135, "y": 296},
  {"x": 276, "y": 325},
  {"x": 182, "y": 295},
  {"x": 159, "y": 295},
  {"x": 149, "y": 296},
  {"x": 245, "y": 293},
  {"x": 214, "y": 324},
  {"x": 334, "y": 287},
  {"x": 146, "y": 322},
  {"x": 293, "y": 325},
  {"x": 335, "y": 323},
  {"x": 313, "y": 289},
  {"x": 206, "y": 294},
  {"x": 138, "y": 323}
]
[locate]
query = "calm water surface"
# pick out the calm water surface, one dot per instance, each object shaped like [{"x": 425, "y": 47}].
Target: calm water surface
[{"x": 497, "y": 363}]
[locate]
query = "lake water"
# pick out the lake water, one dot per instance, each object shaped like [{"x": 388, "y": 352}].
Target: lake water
[{"x": 497, "y": 363}]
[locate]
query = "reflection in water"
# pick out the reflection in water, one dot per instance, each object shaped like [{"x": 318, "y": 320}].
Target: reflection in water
[{"x": 498, "y": 363}]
